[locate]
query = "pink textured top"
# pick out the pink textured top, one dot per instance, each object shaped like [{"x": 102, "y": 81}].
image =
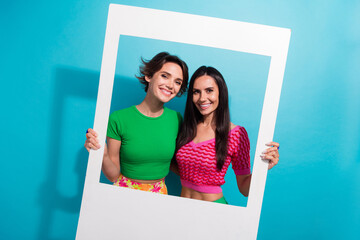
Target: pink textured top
[{"x": 197, "y": 162}]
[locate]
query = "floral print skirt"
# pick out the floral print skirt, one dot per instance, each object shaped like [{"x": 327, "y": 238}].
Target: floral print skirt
[{"x": 158, "y": 187}]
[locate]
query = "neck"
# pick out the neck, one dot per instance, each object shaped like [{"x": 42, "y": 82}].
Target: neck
[
  {"x": 209, "y": 120},
  {"x": 151, "y": 107}
]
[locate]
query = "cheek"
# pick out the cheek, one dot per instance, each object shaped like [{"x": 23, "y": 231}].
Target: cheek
[
  {"x": 213, "y": 97},
  {"x": 216, "y": 97},
  {"x": 178, "y": 88}
]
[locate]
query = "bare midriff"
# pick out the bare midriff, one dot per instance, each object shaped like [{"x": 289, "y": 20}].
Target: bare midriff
[{"x": 191, "y": 193}]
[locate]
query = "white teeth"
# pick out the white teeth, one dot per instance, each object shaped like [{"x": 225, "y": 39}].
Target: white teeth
[
  {"x": 203, "y": 106},
  {"x": 166, "y": 92}
]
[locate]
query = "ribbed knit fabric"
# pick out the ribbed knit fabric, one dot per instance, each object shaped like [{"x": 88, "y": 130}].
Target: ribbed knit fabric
[{"x": 197, "y": 161}]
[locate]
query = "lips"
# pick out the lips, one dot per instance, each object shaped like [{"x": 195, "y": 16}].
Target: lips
[
  {"x": 204, "y": 106},
  {"x": 166, "y": 92}
]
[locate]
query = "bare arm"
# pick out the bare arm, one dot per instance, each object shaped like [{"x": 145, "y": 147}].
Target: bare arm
[
  {"x": 111, "y": 161},
  {"x": 271, "y": 154},
  {"x": 243, "y": 182}
]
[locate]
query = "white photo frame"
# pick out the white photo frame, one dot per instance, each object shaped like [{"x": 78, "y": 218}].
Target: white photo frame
[{"x": 108, "y": 211}]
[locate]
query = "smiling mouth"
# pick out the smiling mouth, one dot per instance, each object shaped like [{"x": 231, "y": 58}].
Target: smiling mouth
[
  {"x": 166, "y": 92},
  {"x": 204, "y": 106}
]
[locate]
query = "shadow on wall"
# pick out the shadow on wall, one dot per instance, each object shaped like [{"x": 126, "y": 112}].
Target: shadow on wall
[
  {"x": 79, "y": 84},
  {"x": 68, "y": 82}
]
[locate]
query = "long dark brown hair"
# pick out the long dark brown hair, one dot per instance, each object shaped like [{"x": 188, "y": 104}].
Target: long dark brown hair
[{"x": 192, "y": 116}]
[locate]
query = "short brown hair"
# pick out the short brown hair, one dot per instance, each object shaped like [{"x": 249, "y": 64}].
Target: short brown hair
[{"x": 149, "y": 68}]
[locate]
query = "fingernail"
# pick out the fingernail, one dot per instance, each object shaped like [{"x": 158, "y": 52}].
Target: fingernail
[
  {"x": 265, "y": 151},
  {"x": 268, "y": 144}
]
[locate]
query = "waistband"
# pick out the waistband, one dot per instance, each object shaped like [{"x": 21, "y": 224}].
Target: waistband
[
  {"x": 158, "y": 187},
  {"x": 221, "y": 200},
  {"x": 201, "y": 188}
]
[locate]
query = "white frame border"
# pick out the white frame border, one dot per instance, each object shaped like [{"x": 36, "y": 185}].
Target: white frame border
[{"x": 107, "y": 211}]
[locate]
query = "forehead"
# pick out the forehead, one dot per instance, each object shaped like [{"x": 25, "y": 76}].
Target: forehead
[
  {"x": 205, "y": 81},
  {"x": 172, "y": 68}
]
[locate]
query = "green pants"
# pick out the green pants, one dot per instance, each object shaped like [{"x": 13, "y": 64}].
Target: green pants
[{"x": 221, "y": 200}]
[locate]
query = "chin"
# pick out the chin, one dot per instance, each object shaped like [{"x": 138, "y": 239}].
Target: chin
[
  {"x": 206, "y": 112},
  {"x": 202, "y": 112},
  {"x": 166, "y": 99}
]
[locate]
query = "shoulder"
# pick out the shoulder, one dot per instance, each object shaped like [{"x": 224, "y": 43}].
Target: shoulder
[
  {"x": 171, "y": 112},
  {"x": 238, "y": 138},
  {"x": 124, "y": 111},
  {"x": 179, "y": 116},
  {"x": 172, "y": 117},
  {"x": 236, "y": 127},
  {"x": 232, "y": 126},
  {"x": 237, "y": 131},
  {"x": 119, "y": 114}
]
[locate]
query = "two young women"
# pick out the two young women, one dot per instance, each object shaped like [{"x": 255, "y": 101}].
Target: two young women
[{"x": 141, "y": 139}]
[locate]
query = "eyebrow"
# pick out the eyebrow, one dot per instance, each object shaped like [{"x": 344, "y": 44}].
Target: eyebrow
[
  {"x": 205, "y": 88},
  {"x": 170, "y": 75}
]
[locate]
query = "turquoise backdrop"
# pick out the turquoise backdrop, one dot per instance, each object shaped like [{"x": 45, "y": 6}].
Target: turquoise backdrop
[{"x": 50, "y": 63}]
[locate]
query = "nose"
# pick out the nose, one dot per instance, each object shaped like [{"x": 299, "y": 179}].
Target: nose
[
  {"x": 170, "y": 84},
  {"x": 202, "y": 97}
]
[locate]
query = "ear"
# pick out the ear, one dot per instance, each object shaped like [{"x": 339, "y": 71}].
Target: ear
[{"x": 147, "y": 78}]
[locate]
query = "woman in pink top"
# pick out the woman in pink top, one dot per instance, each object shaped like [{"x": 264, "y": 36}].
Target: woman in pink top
[{"x": 208, "y": 142}]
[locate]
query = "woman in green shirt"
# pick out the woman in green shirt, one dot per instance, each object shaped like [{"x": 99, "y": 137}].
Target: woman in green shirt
[{"x": 141, "y": 139}]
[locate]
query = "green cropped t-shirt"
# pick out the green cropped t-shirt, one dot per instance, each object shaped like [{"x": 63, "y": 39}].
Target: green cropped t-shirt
[{"x": 147, "y": 143}]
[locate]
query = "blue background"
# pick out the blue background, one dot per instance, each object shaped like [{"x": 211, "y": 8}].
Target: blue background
[{"x": 50, "y": 63}]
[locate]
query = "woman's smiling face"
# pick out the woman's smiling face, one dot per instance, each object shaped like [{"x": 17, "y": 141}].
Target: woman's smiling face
[
  {"x": 165, "y": 84},
  {"x": 206, "y": 95}
]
